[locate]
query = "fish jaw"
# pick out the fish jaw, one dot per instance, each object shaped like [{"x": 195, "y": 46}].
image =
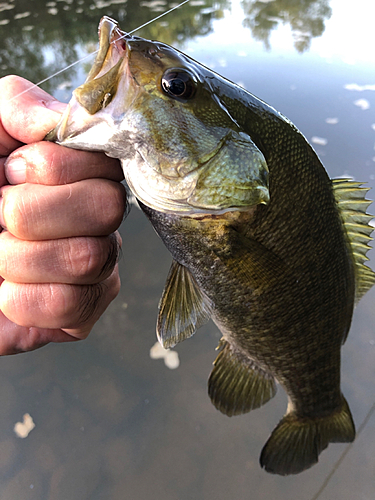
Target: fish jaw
[{"x": 95, "y": 114}]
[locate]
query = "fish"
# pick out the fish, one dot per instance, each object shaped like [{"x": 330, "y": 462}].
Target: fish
[{"x": 263, "y": 242}]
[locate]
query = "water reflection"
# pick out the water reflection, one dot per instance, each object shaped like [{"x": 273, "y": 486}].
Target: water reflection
[
  {"x": 44, "y": 37},
  {"x": 305, "y": 18}
]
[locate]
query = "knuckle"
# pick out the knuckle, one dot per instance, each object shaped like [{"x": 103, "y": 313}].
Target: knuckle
[
  {"x": 57, "y": 301},
  {"x": 85, "y": 258},
  {"x": 16, "y": 212},
  {"x": 112, "y": 206},
  {"x": 43, "y": 163},
  {"x": 74, "y": 305},
  {"x": 90, "y": 259}
]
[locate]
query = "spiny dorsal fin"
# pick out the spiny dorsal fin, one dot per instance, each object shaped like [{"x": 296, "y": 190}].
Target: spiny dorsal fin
[
  {"x": 183, "y": 308},
  {"x": 351, "y": 201},
  {"x": 236, "y": 384}
]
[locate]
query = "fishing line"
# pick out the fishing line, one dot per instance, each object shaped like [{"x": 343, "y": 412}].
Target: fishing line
[
  {"x": 158, "y": 17},
  {"x": 344, "y": 453},
  {"x": 95, "y": 51}
]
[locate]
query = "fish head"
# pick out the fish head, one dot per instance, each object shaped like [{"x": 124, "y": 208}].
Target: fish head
[{"x": 160, "y": 113}]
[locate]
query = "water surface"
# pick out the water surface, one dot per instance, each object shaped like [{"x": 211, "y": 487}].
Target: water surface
[{"x": 112, "y": 422}]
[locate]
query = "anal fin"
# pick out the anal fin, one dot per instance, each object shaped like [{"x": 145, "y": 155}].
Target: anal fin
[
  {"x": 183, "y": 308},
  {"x": 236, "y": 384}
]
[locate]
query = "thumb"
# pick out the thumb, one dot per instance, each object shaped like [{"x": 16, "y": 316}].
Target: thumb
[{"x": 27, "y": 113}]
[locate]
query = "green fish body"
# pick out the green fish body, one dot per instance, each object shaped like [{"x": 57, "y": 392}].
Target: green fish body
[{"x": 263, "y": 242}]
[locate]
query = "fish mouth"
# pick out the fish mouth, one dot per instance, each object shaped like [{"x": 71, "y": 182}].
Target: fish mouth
[
  {"x": 100, "y": 87},
  {"x": 112, "y": 46},
  {"x": 102, "y": 81}
]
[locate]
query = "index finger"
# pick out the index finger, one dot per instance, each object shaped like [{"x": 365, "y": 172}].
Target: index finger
[
  {"x": 27, "y": 113},
  {"x": 50, "y": 164}
]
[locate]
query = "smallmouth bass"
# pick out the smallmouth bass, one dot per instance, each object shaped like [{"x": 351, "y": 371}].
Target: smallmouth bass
[{"x": 263, "y": 242}]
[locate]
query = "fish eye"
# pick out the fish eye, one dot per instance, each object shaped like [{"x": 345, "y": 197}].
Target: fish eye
[{"x": 179, "y": 84}]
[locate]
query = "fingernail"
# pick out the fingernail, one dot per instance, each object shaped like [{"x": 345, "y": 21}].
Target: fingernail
[
  {"x": 57, "y": 106},
  {"x": 15, "y": 171},
  {"x": 2, "y": 222}
]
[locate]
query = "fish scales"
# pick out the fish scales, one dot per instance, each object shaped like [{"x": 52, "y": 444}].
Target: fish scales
[
  {"x": 302, "y": 308},
  {"x": 263, "y": 242}
]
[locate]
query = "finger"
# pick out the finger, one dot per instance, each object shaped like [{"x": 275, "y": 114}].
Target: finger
[
  {"x": 15, "y": 339},
  {"x": 27, "y": 117},
  {"x": 81, "y": 261},
  {"x": 7, "y": 143},
  {"x": 94, "y": 207},
  {"x": 71, "y": 308},
  {"x": 51, "y": 164}
]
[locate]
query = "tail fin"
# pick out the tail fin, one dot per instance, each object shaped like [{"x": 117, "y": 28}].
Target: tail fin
[{"x": 295, "y": 444}]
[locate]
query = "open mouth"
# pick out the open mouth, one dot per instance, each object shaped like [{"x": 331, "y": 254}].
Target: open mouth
[
  {"x": 112, "y": 47},
  {"x": 102, "y": 81},
  {"x": 100, "y": 86}
]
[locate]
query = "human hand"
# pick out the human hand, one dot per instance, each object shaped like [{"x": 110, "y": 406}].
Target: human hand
[{"x": 60, "y": 208}]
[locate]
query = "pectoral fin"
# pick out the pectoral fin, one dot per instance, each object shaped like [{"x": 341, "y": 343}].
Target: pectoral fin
[
  {"x": 183, "y": 308},
  {"x": 237, "y": 385},
  {"x": 352, "y": 204}
]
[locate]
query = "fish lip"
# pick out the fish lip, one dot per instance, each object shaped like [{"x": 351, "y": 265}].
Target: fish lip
[
  {"x": 112, "y": 51},
  {"x": 110, "y": 64},
  {"x": 112, "y": 47}
]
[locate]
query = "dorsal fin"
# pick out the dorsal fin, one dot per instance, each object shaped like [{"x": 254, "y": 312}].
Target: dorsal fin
[
  {"x": 183, "y": 308},
  {"x": 351, "y": 201}
]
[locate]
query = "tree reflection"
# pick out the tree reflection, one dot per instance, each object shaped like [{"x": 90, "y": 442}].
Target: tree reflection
[
  {"x": 40, "y": 38},
  {"x": 305, "y": 17}
]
